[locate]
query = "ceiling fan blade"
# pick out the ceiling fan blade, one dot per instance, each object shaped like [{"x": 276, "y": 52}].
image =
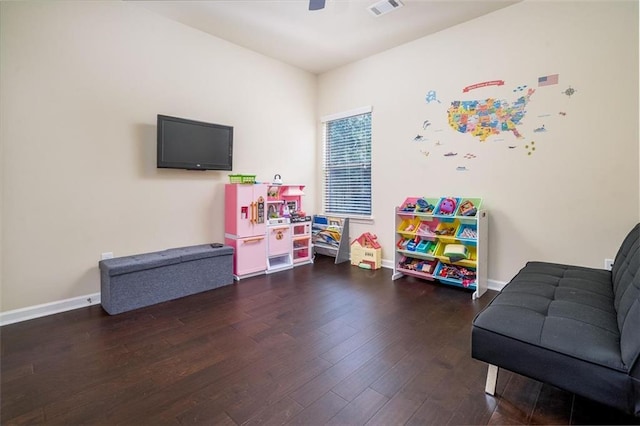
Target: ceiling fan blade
[{"x": 316, "y": 4}]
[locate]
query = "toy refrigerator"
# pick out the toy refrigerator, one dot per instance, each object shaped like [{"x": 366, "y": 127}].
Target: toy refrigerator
[{"x": 245, "y": 227}]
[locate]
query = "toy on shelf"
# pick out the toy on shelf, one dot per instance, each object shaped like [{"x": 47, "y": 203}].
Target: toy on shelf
[
  {"x": 467, "y": 209},
  {"x": 429, "y": 249},
  {"x": 417, "y": 245},
  {"x": 329, "y": 237},
  {"x": 456, "y": 252},
  {"x": 426, "y": 229},
  {"x": 424, "y": 266},
  {"x": 446, "y": 231},
  {"x": 468, "y": 233},
  {"x": 408, "y": 207},
  {"x": 466, "y": 275},
  {"x": 402, "y": 243},
  {"x": 447, "y": 206},
  {"x": 424, "y": 206}
]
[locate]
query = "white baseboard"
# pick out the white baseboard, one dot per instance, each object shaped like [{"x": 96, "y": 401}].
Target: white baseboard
[
  {"x": 495, "y": 285},
  {"x": 37, "y": 311},
  {"x": 387, "y": 263}
]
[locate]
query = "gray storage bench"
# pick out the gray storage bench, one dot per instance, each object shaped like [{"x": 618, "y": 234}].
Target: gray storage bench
[
  {"x": 132, "y": 282},
  {"x": 573, "y": 327}
]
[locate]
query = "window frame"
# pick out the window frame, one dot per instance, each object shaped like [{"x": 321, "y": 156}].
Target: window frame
[{"x": 325, "y": 167}]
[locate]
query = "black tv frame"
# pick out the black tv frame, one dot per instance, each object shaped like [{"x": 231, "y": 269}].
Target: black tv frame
[{"x": 164, "y": 163}]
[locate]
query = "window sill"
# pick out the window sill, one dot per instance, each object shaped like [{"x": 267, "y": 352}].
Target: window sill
[{"x": 368, "y": 220}]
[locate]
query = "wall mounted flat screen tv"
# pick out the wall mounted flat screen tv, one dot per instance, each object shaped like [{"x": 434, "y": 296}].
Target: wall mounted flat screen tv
[{"x": 194, "y": 145}]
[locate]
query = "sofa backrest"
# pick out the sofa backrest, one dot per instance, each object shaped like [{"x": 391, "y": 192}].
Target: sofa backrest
[{"x": 626, "y": 288}]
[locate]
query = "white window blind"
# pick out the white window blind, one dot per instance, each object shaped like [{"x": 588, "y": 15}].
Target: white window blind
[{"x": 347, "y": 164}]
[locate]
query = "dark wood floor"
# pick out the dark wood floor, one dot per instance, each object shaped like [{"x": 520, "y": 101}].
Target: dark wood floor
[{"x": 320, "y": 344}]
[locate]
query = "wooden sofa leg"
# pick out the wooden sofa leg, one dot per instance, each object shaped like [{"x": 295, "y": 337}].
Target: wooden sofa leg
[{"x": 492, "y": 378}]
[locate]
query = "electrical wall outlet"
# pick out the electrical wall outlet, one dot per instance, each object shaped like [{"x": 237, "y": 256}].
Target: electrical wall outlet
[
  {"x": 608, "y": 264},
  {"x": 107, "y": 255}
]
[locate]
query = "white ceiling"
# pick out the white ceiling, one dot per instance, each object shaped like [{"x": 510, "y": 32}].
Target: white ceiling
[{"x": 318, "y": 41}]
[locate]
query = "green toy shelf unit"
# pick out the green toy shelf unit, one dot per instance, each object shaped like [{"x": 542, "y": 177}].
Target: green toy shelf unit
[{"x": 444, "y": 239}]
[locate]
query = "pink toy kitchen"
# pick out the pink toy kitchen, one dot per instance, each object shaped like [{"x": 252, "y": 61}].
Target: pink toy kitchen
[{"x": 267, "y": 227}]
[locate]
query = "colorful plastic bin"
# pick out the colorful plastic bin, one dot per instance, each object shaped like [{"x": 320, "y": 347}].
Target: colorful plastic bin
[
  {"x": 468, "y": 207},
  {"x": 426, "y": 205},
  {"x": 469, "y": 282},
  {"x": 470, "y": 261},
  {"x": 444, "y": 203},
  {"x": 408, "y": 205},
  {"x": 408, "y": 227},
  {"x": 423, "y": 246},
  {"x": 427, "y": 228},
  {"x": 447, "y": 230},
  {"x": 467, "y": 233}
]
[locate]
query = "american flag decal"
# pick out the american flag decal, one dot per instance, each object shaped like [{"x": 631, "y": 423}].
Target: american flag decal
[{"x": 548, "y": 80}]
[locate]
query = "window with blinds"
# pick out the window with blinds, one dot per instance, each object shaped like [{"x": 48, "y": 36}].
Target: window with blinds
[{"x": 347, "y": 164}]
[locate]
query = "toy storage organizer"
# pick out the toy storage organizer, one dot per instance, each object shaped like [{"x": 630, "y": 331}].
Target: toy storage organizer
[
  {"x": 442, "y": 239},
  {"x": 330, "y": 237}
]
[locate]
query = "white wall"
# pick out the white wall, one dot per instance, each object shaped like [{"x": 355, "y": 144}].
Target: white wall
[
  {"x": 81, "y": 84},
  {"x": 576, "y": 196}
]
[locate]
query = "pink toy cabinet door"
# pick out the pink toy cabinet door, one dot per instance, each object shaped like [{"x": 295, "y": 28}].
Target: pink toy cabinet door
[
  {"x": 245, "y": 209},
  {"x": 279, "y": 240},
  {"x": 250, "y": 256}
]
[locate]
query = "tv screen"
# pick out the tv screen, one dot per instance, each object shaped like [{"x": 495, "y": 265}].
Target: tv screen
[{"x": 194, "y": 145}]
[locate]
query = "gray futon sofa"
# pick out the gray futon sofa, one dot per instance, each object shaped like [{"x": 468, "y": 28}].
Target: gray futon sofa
[{"x": 573, "y": 327}]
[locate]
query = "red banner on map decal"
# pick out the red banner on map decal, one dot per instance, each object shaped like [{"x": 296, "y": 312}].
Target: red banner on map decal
[{"x": 483, "y": 84}]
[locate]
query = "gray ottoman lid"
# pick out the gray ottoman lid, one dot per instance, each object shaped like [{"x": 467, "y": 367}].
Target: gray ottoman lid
[
  {"x": 140, "y": 262},
  {"x": 202, "y": 251}
]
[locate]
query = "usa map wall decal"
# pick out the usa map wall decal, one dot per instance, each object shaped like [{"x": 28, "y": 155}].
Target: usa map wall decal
[{"x": 484, "y": 117}]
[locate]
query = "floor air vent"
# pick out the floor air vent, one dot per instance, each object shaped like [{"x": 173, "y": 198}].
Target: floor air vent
[{"x": 384, "y": 6}]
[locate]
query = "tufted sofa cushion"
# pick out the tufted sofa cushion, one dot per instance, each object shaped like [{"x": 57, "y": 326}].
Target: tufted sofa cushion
[{"x": 563, "y": 308}]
